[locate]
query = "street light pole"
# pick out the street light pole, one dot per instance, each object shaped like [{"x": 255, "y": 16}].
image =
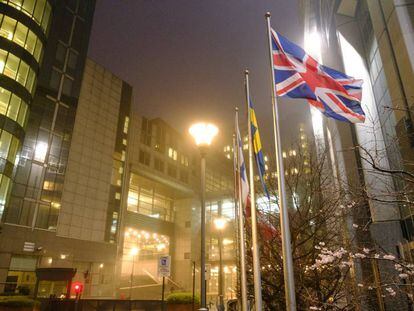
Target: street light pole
[
  {"x": 134, "y": 252},
  {"x": 203, "y": 134},
  {"x": 203, "y": 230},
  {"x": 130, "y": 282},
  {"x": 221, "y": 294},
  {"x": 220, "y": 224}
]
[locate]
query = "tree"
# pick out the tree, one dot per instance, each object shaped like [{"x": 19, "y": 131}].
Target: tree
[{"x": 334, "y": 258}]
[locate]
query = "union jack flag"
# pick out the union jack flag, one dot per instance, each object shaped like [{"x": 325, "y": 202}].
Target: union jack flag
[{"x": 298, "y": 75}]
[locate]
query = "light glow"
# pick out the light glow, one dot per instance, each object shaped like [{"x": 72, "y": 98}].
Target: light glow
[
  {"x": 40, "y": 151},
  {"x": 220, "y": 223},
  {"x": 203, "y": 133},
  {"x": 134, "y": 251}
]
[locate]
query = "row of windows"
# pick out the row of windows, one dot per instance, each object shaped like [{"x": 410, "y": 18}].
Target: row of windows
[
  {"x": 38, "y": 10},
  {"x": 22, "y": 212},
  {"x": 16, "y": 69},
  {"x": 4, "y": 190},
  {"x": 20, "y": 34},
  {"x": 13, "y": 107},
  {"x": 145, "y": 158},
  {"x": 9, "y": 145},
  {"x": 148, "y": 202}
]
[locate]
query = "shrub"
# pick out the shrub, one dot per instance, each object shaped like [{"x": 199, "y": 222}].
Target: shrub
[
  {"x": 182, "y": 298},
  {"x": 18, "y": 302},
  {"x": 24, "y": 290}
]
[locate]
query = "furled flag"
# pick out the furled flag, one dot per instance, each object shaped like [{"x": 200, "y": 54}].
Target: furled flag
[
  {"x": 298, "y": 75},
  {"x": 242, "y": 167},
  {"x": 257, "y": 147}
]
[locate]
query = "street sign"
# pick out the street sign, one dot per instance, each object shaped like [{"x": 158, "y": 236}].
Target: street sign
[
  {"x": 164, "y": 266},
  {"x": 29, "y": 247},
  {"x": 208, "y": 271}
]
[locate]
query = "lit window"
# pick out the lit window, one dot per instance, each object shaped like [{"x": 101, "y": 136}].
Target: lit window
[
  {"x": 172, "y": 153},
  {"x": 132, "y": 198},
  {"x": 126, "y": 125},
  {"x": 40, "y": 151},
  {"x": 284, "y": 154},
  {"x": 48, "y": 185}
]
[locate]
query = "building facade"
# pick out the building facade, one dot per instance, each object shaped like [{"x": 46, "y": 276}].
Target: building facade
[
  {"x": 24, "y": 31},
  {"x": 370, "y": 40},
  {"x": 162, "y": 213},
  {"x": 34, "y": 200}
]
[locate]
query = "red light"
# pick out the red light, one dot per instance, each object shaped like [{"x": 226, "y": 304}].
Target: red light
[{"x": 78, "y": 287}]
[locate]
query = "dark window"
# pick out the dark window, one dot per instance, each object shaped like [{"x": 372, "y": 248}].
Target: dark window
[
  {"x": 184, "y": 176},
  {"x": 158, "y": 165},
  {"x": 67, "y": 86},
  {"x": 146, "y": 132},
  {"x": 60, "y": 55},
  {"x": 72, "y": 4},
  {"x": 172, "y": 170},
  {"x": 66, "y": 26},
  {"x": 78, "y": 34},
  {"x": 72, "y": 61},
  {"x": 55, "y": 80},
  {"x": 144, "y": 157}
]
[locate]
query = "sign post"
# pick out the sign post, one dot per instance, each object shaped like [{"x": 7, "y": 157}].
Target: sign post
[{"x": 164, "y": 270}]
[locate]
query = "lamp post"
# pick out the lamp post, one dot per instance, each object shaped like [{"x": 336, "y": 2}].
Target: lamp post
[
  {"x": 203, "y": 134},
  {"x": 134, "y": 252},
  {"x": 220, "y": 224}
]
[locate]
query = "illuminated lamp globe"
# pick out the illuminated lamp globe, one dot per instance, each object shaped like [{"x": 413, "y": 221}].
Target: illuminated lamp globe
[
  {"x": 203, "y": 133},
  {"x": 220, "y": 223},
  {"x": 134, "y": 251}
]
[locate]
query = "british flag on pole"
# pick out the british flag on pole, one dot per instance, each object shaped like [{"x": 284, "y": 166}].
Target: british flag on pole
[{"x": 298, "y": 75}]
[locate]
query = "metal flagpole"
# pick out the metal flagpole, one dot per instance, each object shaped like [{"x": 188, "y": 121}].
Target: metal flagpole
[
  {"x": 255, "y": 246},
  {"x": 242, "y": 249},
  {"x": 284, "y": 216}
]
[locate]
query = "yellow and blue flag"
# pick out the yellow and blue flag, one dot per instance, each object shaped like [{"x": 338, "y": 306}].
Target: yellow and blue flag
[{"x": 257, "y": 147}]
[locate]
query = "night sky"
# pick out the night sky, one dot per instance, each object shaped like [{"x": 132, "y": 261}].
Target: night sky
[{"x": 185, "y": 58}]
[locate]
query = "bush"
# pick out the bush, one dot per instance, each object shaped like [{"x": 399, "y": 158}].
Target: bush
[
  {"x": 182, "y": 298},
  {"x": 18, "y": 302},
  {"x": 23, "y": 290}
]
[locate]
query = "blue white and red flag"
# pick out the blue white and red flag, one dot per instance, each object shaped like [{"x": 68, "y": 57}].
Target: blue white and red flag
[
  {"x": 298, "y": 75},
  {"x": 244, "y": 184}
]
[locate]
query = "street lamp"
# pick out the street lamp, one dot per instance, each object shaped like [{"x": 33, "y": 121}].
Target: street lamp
[
  {"x": 203, "y": 134},
  {"x": 220, "y": 224}
]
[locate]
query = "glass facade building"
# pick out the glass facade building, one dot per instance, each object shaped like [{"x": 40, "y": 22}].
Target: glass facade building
[
  {"x": 24, "y": 27},
  {"x": 43, "y": 47},
  {"x": 372, "y": 40},
  {"x": 35, "y": 198}
]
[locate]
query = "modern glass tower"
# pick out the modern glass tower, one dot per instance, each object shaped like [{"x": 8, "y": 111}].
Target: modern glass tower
[
  {"x": 23, "y": 33},
  {"x": 39, "y": 173}
]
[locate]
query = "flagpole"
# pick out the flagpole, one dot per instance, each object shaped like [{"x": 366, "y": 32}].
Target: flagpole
[
  {"x": 242, "y": 248},
  {"x": 289, "y": 276},
  {"x": 255, "y": 246}
]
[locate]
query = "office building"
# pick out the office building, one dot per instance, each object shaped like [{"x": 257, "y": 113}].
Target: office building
[
  {"x": 162, "y": 212},
  {"x": 370, "y": 40},
  {"x": 24, "y": 31},
  {"x": 34, "y": 200}
]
